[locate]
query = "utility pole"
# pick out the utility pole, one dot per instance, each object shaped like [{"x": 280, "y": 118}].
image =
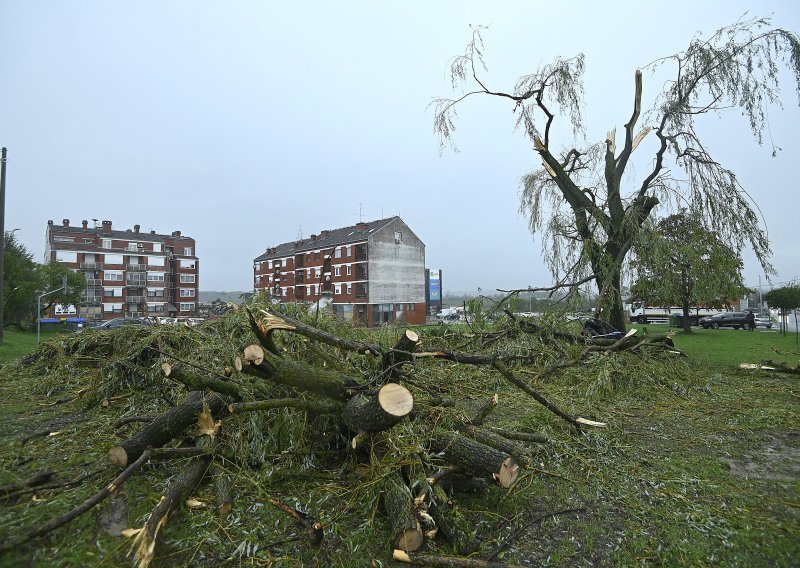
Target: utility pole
[{"x": 2, "y": 238}]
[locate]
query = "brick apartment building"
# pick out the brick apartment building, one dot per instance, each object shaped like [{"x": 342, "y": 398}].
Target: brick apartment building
[
  {"x": 128, "y": 273},
  {"x": 374, "y": 272}
]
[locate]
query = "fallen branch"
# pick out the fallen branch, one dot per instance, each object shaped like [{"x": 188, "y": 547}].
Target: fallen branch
[
  {"x": 313, "y": 527},
  {"x": 577, "y": 421},
  {"x": 38, "y": 478},
  {"x": 196, "y": 382},
  {"x": 447, "y": 561},
  {"x": 513, "y": 536},
  {"x": 76, "y": 512},
  {"x": 311, "y": 406}
]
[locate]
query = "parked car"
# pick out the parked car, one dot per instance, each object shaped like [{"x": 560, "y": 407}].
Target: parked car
[
  {"x": 119, "y": 322},
  {"x": 736, "y": 320},
  {"x": 764, "y": 321}
]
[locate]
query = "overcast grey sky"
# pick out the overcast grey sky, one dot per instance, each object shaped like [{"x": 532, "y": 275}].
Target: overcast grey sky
[{"x": 244, "y": 124}]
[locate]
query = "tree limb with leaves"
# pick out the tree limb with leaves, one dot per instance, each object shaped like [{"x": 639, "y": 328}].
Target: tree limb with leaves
[{"x": 582, "y": 200}]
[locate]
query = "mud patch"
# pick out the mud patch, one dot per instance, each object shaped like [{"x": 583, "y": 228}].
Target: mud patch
[{"x": 775, "y": 456}]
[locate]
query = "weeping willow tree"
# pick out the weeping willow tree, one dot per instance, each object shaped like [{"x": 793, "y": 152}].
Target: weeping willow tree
[{"x": 588, "y": 208}]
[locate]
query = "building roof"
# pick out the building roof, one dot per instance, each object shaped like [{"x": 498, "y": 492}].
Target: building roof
[
  {"x": 333, "y": 238},
  {"x": 127, "y": 234}
]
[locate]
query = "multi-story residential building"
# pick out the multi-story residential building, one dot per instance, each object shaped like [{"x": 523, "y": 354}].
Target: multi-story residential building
[
  {"x": 128, "y": 273},
  {"x": 374, "y": 272}
]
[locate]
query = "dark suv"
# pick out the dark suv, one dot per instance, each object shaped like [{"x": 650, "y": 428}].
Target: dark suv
[{"x": 735, "y": 320}]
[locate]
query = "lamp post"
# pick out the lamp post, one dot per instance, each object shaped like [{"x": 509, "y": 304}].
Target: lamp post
[{"x": 39, "y": 308}]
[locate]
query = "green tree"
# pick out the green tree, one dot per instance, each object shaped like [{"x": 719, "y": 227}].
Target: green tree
[
  {"x": 26, "y": 279},
  {"x": 51, "y": 277},
  {"x": 20, "y": 284},
  {"x": 784, "y": 298},
  {"x": 680, "y": 263},
  {"x": 588, "y": 206}
]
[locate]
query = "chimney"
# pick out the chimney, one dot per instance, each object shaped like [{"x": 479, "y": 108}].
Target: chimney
[
  {"x": 49, "y": 221},
  {"x": 85, "y": 224},
  {"x": 176, "y": 233},
  {"x": 136, "y": 229},
  {"x": 324, "y": 233},
  {"x": 107, "y": 227},
  {"x": 362, "y": 226},
  {"x": 152, "y": 232},
  {"x": 65, "y": 222},
  {"x": 313, "y": 238}
]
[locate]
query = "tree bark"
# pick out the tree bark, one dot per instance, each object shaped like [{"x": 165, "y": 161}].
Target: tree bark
[
  {"x": 378, "y": 411},
  {"x": 399, "y": 505},
  {"x": 477, "y": 457},
  {"x": 301, "y": 377},
  {"x": 401, "y": 353},
  {"x": 166, "y": 427},
  {"x": 194, "y": 381},
  {"x": 451, "y": 523},
  {"x": 177, "y": 492}
]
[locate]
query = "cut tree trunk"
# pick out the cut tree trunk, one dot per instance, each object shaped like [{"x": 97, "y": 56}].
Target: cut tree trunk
[
  {"x": 177, "y": 492},
  {"x": 453, "y": 526},
  {"x": 484, "y": 460},
  {"x": 401, "y": 353},
  {"x": 166, "y": 427},
  {"x": 299, "y": 376},
  {"x": 378, "y": 411},
  {"x": 522, "y": 454},
  {"x": 399, "y": 505}
]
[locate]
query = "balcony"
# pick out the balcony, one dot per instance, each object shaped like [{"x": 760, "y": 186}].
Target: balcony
[
  {"x": 136, "y": 268},
  {"x": 361, "y": 292},
  {"x": 155, "y": 297},
  {"x": 93, "y": 282},
  {"x": 91, "y": 298},
  {"x": 135, "y": 283},
  {"x": 91, "y": 266},
  {"x": 361, "y": 273},
  {"x": 134, "y": 299},
  {"x": 361, "y": 252}
]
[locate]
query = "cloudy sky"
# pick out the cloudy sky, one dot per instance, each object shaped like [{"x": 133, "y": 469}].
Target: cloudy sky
[{"x": 246, "y": 124}]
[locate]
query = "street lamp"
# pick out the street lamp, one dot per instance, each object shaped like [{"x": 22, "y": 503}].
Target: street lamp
[{"x": 39, "y": 308}]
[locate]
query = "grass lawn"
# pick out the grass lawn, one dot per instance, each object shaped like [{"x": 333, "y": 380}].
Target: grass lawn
[
  {"x": 19, "y": 343},
  {"x": 725, "y": 348},
  {"x": 699, "y": 464}
]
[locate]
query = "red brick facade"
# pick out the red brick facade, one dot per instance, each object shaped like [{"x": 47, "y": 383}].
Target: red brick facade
[
  {"x": 336, "y": 264},
  {"x": 128, "y": 273}
]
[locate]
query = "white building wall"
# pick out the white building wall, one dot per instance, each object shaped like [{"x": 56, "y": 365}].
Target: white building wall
[{"x": 396, "y": 269}]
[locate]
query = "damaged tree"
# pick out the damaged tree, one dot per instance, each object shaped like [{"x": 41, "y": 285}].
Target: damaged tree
[{"x": 595, "y": 221}]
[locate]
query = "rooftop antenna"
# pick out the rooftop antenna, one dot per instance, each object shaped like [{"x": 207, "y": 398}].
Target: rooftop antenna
[
  {"x": 95, "y": 222},
  {"x": 360, "y": 214},
  {"x": 300, "y": 233}
]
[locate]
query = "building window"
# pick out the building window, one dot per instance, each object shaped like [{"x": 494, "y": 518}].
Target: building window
[
  {"x": 348, "y": 251},
  {"x": 133, "y": 246},
  {"x": 277, "y": 264},
  {"x": 187, "y": 306},
  {"x": 349, "y": 288},
  {"x": 64, "y": 240},
  {"x": 106, "y": 243},
  {"x": 156, "y": 247},
  {"x": 187, "y": 251},
  {"x": 349, "y": 270},
  {"x": 155, "y": 276},
  {"x": 112, "y": 275},
  {"x": 337, "y": 289},
  {"x": 187, "y": 278},
  {"x": 337, "y": 271},
  {"x": 187, "y": 263},
  {"x": 269, "y": 264},
  {"x": 338, "y": 252},
  {"x": 398, "y": 237},
  {"x": 187, "y": 292},
  {"x": 66, "y": 256}
]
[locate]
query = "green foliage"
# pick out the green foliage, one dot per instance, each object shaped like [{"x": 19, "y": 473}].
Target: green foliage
[
  {"x": 658, "y": 477},
  {"x": 26, "y": 279},
  {"x": 22, "y": 281},
  {"x": 784, "y": 298},
  {"x": 679, "y": 262}
]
